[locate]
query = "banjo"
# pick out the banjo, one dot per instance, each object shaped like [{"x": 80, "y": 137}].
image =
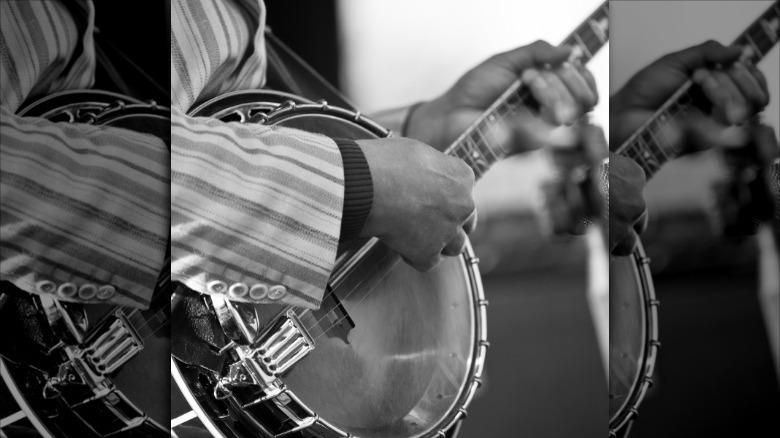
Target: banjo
[
  {"x": 633, "y": 306},
  {"x": 86, "y": 370},
  {"x": 392, "y": 352}
]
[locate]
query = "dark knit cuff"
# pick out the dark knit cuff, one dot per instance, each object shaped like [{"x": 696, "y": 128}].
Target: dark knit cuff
[{"x": 358, "y": 189}]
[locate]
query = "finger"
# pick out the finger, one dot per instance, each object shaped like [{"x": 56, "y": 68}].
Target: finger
[
  {"x": 533, "y": 55},
  {"x": 471, "y": 223},
  {"x": 749, "y": 86},
  {"x": 423, "y": 264},
  {"x": 578, "y": 86},
  {"x": 720, "y": 93},
  {"x": 595, "y": 144},
  {"x": 706, "y": 54},
  {"x": 641, "y": 224},
  {"x": 702, "y": 133},
  {"x": 766, "y": 143},
  {"x": 738, "y": 109},
  {"x": 557, "y": 104},
  {"x": 591, "y": 81},
  {"x": 759, "y": 76},
  {"x": 627, "y": 245},
  {"x": 456, "y": 245},
  {"x": 566, "y": 109}
]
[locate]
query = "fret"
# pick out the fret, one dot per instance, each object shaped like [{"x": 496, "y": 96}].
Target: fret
[
  {"x": 469, "y": 152},
  {"x": 772, "y": 28},
  {"x": 750, "y": 43},
  {"x": 476, "y": 153},
  {"x": 583, "y": 47},
  {"x": 600, "y": 28},
  {"x": 636, "y": 153},
  {"x": 496, "y": 142},
  {"x": 762, "y": 35}
]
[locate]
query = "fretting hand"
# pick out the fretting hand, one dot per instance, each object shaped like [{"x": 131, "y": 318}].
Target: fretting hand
[
  {"x": 735, "y": 91},
  {"x": 734, "y": 88},
  {"x": 564, "y": 90}
]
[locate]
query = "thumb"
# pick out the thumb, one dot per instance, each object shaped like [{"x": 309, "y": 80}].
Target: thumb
[
  {"x": 706, "y": 54},
  {"x": 536, "y": 54}
]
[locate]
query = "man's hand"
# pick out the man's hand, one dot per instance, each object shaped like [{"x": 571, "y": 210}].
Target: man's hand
[
  {"x": 564, "y": 91},
  {"x": 735, "y": 89},
  {"x": 423, "y": 200}
]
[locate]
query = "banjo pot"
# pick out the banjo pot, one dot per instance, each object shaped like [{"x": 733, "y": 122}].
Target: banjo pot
[{"x": 392, "y": 352}]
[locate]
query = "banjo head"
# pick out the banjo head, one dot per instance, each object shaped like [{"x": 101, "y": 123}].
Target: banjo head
[
  {"x": 633, "y": 335},
  {"x": 408, "y": 361}
]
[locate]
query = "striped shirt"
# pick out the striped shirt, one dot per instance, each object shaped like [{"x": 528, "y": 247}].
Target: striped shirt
[
  {"x": 251, "y": 206},
  {"x": 85, "y": 209}
]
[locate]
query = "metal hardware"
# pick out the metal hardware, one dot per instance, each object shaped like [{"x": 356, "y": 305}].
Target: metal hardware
[
  {"x": 115, "y": 344},
  {"x": 239, "y": 321},
  {"x": 112, "y": 345},
  {"x": 278, "y": 348},
  {"x": 67, "y": 320},
  {"x": 283, "y": 344}
]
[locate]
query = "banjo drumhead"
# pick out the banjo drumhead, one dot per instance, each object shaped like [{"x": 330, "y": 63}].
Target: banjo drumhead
[{"x": 408, "y": 358}]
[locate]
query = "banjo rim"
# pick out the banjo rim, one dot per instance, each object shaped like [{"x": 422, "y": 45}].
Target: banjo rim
[{"x": 629, "y": 409}]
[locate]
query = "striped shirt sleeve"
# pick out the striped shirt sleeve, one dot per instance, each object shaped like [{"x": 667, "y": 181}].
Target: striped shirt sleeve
[
  {"x": 255, "y": 210},
  {"x": 85, "y": 209}
]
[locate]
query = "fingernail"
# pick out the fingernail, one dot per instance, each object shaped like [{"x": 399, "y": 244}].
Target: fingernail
[{"x": 566, "y": 115}]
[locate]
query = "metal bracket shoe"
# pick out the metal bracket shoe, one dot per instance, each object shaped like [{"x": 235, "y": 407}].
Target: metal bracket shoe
[
  {"x": 68, "y": 321},
  {"x": 111, "y": 345},
  {"x": 281, "y": 345}
]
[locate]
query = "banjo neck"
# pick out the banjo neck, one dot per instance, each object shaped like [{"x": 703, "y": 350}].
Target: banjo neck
[
  {"x": 650, "y": 146},
  {"x": 480, "y": 146}
]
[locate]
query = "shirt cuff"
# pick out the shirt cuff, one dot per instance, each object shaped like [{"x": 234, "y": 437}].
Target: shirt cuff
[{"x": 358, "y": 189}]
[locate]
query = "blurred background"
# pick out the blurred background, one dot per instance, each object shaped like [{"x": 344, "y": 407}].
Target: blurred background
[
  {"x": 714, "y": 374},
  {"x": 544, "y": 375}
]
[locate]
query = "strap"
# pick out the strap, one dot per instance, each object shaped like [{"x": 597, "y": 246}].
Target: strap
[
  {"x": 102, "y": 49},
  {"x": 288, "y": 72}
]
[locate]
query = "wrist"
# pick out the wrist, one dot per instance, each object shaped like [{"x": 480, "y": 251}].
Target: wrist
[
  {"x": 425, "y": 122},
  {"x": 358, "y": 189}
]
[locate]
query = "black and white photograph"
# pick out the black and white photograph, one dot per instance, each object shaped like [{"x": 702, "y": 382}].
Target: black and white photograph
[{"x": 376, "y": 219}]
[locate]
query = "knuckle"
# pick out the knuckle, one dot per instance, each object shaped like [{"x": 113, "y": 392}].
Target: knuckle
[
  {"x": 541, "y": 44},
  {"x": 712, "y": 44}
]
